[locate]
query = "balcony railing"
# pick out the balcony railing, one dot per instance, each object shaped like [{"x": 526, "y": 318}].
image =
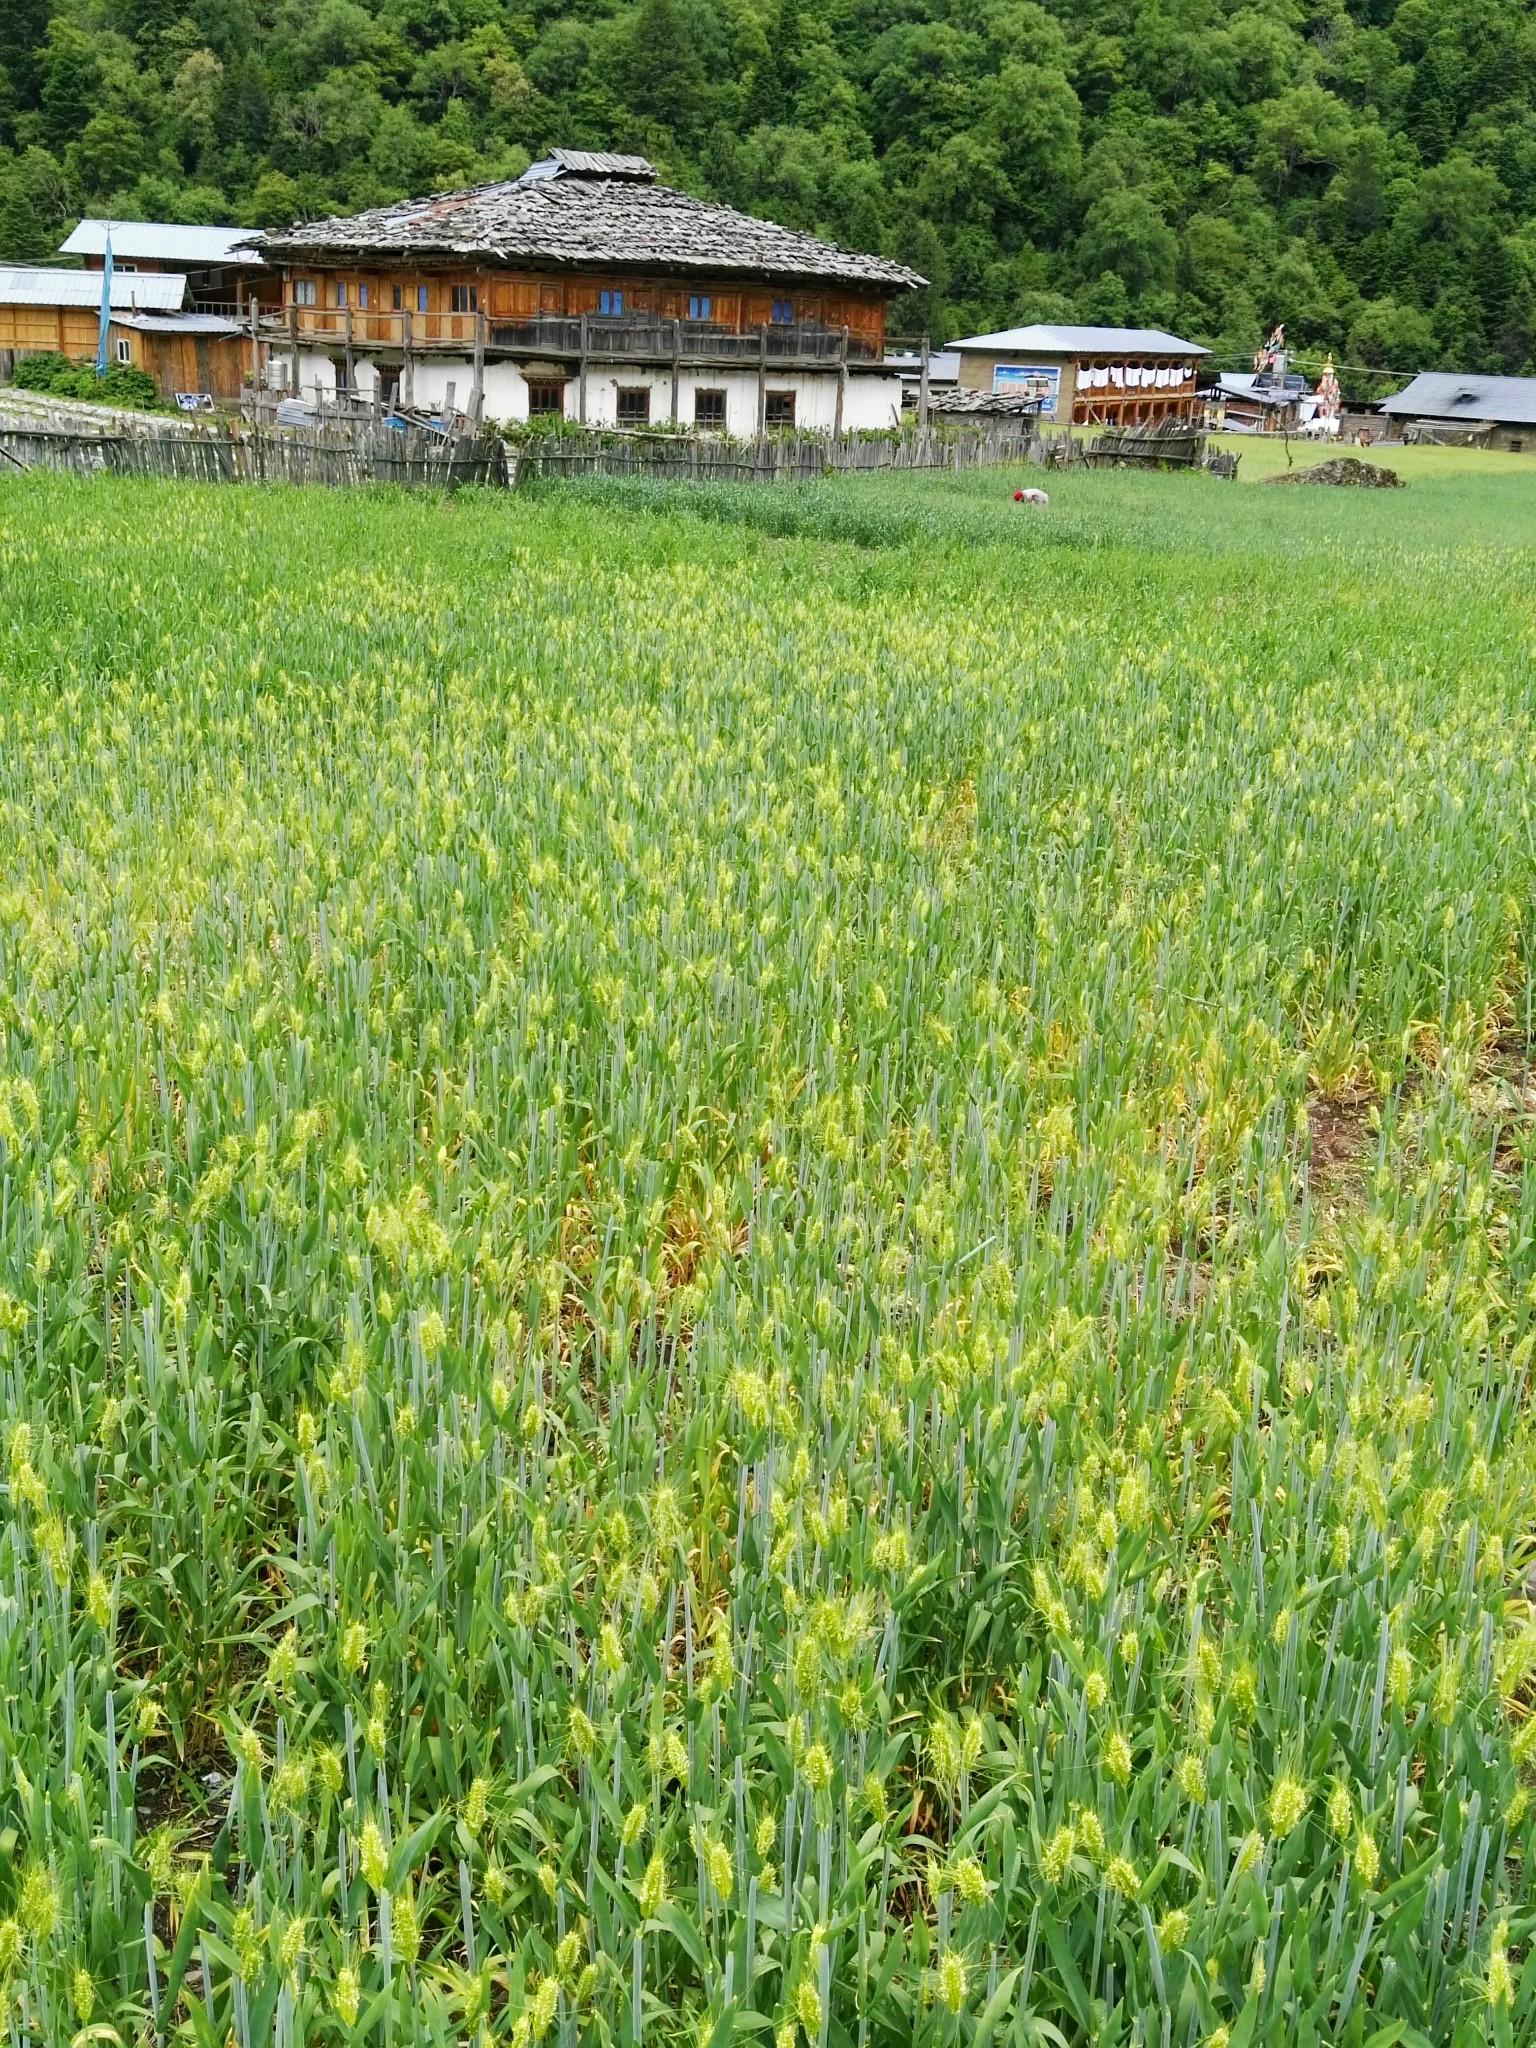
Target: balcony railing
[{"x": 600, "y": 338}]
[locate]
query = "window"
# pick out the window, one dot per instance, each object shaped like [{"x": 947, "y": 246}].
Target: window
[
  {"x": 545, "y": 395},
  {"x": 421, "y": 298},
  {"x": 634, "y": 405},
  {"x": 132, "y": 268},
  {"x": 700, "y": 307},
  {"x": 341, "y": 294},
  {"x": 709, "y": 408},
  {"x": 125, "y": 354},
  {"x": 303, "y": 291},
  {"x": 783, "y": 312},
  {"x": 778, "y": 408},
  {"x": 397, "y": 298},
  {"x": 465, "y": 298},
  {"x": 362, "y": 295},
  {"x": 610, "y": 302}
]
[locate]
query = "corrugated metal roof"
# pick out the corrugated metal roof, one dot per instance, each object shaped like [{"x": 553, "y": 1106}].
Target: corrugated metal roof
[
  {"x": 161, "y": 241},
  {"x": 577, "y": 220},
  {"x": 603, "y": 163},
  {"x": 34, "y": 284},
  {"x": 1086, "y": 341},
  {"x": 1444, "y": 395},
  {"x": 177, "y": 323},
  {"x": 943, "y": 365}
]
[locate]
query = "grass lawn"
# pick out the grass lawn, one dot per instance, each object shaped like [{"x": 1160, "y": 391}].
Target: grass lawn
[
  {"x": 1263, "y": 454},
  {"x": 768, "y": 1262}
]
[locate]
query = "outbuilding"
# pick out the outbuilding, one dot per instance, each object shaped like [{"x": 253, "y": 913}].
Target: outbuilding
[
  {"x": 43, "y": 310},
  {"x": 1087, "y": 376},
  {"x": 222, "y": 271},
  {"x": 1487, "y": 412}
]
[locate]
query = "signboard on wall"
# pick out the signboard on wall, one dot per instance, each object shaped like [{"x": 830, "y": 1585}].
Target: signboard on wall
[{"x": 1029, "y": 380}]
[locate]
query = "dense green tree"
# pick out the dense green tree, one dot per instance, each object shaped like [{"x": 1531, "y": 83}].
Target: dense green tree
[{"x": 1363, "y": 169}]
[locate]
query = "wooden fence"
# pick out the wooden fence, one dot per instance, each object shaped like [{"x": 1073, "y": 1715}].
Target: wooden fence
[
  {"x": 233, "y": 454},
  {"x": 771, "y": 459},
  {"x": 1169, "y": 444},
  {"x": 354, "y": 452}
]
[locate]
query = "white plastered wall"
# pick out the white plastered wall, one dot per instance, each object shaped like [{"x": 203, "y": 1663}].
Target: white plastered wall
[{"x": 869, "y": 401}]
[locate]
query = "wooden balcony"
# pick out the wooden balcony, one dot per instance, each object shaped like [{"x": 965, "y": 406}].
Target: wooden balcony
[{"x": 590, "y": 337}]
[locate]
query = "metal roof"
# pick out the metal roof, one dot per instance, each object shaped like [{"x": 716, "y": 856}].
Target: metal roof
[
  {"x": 1245, "y": 384},
  {"x": 177, "y": 323},
  {"x": 35, "y": 284},
  {"x": 943, "y": 365},
  {"x": 602, "y": 163},
  {"x": 576, "y": 218},
  {"x": 1444, "y": 395},
  {"x": 161, "y": 241},
  {"x": 1083, "y": 341}
]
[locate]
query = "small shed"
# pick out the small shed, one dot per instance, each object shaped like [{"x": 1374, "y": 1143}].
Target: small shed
[
  {"x": 43, "y": 310},
  {"x": 1264, "y": 401},
  {"x": 1492, "y": 412}
]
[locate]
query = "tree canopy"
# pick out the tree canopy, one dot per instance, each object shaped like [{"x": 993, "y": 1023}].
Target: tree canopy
[{"x": 1364, "y": 170}]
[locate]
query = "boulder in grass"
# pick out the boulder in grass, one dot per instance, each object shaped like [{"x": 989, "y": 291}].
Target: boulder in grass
[{"x": 1343, "y": 469}]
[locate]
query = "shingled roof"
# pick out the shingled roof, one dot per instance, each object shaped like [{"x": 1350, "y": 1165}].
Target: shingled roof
[{"x": 576, "y": 209}]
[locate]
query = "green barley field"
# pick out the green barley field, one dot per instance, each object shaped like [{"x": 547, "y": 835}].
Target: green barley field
[{"x": 768, "y": 1265}]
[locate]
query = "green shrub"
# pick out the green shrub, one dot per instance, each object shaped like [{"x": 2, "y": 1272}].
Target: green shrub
[
  {"x": 55, "y": 374},
  {"x": 37, "y": 373}
]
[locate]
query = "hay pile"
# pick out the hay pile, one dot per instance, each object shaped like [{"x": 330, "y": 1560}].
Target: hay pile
[{"x": 1343, "y": 469}]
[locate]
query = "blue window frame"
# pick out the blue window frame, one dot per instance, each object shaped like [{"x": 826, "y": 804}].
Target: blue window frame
[
  {"x": 610, "y": 302},
  {"x": 700, "y": 306},
  {"x": 783, "y": 312},
  {"x": 362, "y": 295},
  {"x": 421, "y": 298},
  {"x": 341, "y": 295}
]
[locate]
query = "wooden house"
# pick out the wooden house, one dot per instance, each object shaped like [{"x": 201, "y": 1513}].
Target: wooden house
[
  {"x": 1087, "y": 376},
  {"x": 585, "y": 288},
  {"x": 42, "y": 310},
  {"x": 1478, "y": 411},
  {"x": 222, "y": 271}
]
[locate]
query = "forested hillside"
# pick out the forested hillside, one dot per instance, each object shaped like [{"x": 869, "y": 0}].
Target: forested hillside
[{"x": 1365, "y": 171}]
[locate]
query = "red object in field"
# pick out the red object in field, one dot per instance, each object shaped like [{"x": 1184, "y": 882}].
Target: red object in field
[{"x": 1018, "y": 497}]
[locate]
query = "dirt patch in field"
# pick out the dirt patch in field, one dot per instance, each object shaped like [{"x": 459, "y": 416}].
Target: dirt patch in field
[
  {"x": 1339, "y": 1141},
  {"x": 1345, "y": 470}
]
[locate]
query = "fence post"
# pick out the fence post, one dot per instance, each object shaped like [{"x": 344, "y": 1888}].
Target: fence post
[{"x": 477, "y": 390}]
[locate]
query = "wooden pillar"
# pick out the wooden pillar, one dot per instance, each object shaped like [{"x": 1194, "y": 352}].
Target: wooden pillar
[
  {"x": 255, "y": 367},
  {"x": 581, "y": 383},
  {"x": 842, "y": 382},
  {"x": 922, "y": 384},
  {"x": 477, "y": 389},
  {"x": 346, "y": 343},
  {"x": 407, "y": 366},
  {"x": 677, "y": 349},
  {"x": 293, "y": 344},
  {"x": 762, "y": 379}
]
